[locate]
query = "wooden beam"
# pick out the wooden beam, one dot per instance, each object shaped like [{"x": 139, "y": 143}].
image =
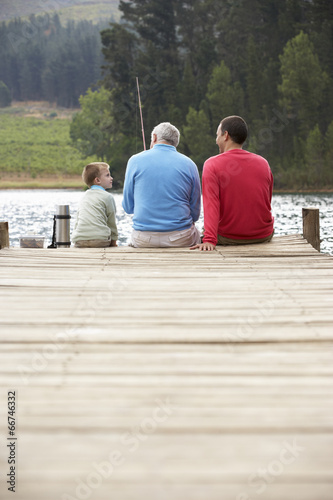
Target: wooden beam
[
  {"x": 4, "y": 235},
  {"x": 311, "y": 227}
]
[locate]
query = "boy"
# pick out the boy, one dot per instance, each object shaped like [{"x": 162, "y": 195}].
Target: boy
[{"x": 95, "y": 225}]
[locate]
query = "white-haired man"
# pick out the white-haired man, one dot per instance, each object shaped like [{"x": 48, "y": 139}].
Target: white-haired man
[{"x": 162, "y": 190}]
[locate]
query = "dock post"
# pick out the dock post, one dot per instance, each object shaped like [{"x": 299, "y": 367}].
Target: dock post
[
  {"x": 311, "y": 227},
  {"x": 4, "y": 235}
]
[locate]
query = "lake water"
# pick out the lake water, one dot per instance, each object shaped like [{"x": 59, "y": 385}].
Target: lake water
[{"x": 30, "y": 211}]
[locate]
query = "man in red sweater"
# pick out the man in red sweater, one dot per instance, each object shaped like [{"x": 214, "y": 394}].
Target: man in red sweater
[{"x": 237, "y": 190}]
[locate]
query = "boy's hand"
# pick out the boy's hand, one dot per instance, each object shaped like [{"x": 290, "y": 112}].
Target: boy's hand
[{"x": 113, "y": 243}]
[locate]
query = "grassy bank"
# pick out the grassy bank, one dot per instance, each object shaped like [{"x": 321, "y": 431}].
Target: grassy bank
[
  {"x": 35, "y": 148},
  {"x": 41, "y": 182}
]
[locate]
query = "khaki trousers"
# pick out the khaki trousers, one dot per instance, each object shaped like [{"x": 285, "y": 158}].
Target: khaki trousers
[{"x": 151, "y": 239}]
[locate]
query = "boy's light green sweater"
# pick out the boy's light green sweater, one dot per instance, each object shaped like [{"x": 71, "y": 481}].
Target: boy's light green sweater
[{"x": 96, "y": 217}]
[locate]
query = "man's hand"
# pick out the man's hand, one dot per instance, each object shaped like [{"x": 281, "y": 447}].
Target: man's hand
[{"x": 204, "y": 246}]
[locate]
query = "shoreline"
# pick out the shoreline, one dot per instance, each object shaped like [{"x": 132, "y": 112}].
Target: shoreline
[{"x": 75, "y": 182}]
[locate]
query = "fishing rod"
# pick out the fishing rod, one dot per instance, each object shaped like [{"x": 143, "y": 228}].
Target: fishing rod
[{"x": 140, "y": 108}]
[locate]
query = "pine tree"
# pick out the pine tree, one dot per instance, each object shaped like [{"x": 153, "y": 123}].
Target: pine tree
[
  {"x": 225, "y": 97},
  {"x": 303, "y": 82},
  {"x": 200, "y": 142}
]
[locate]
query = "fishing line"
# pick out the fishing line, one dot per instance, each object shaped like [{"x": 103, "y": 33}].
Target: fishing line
[{"x": 136, "y": 122}]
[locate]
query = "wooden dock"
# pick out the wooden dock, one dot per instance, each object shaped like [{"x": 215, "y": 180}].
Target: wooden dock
[{"x": 168, "y": 374}]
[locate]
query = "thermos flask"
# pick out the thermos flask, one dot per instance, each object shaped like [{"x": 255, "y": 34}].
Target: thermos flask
[{"x": 63, "y": 226}]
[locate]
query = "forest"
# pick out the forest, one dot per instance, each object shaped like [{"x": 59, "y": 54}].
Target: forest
[
  {"x": 270, "y": 61},
  {"x": 43, "y": 60}
]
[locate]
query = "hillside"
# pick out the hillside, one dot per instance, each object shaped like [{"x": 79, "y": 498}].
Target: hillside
[
  {"x": 35, "y": 147},
  {"x": 90, "y": 10}
]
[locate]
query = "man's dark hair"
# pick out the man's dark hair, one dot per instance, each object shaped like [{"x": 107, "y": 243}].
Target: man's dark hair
[{"x": 236, "y": 128}]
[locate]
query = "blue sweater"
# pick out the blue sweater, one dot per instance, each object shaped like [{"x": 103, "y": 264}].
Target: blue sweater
[{"x": 162, "y": 190}]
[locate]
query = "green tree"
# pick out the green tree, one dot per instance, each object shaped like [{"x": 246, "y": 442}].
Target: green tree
[
  {"x": 254, "y": 81},
  {"x": 30, "y": 75},
  {"x": 319, "y": 15},
  {"x": 196, "y": 28},
  {"x": 120, "y": 52},
  {"x": 187, "y": 89},
  {"x": 144, "y": 45},
  {"x": 94, "y": 132},
  {"x": 224, "y": 96},
  {"x": 198, "y": 139},
  {"x": 92, "y": 128},
  {"x": 153, "y": 20},
  {"x": 5, "y": 97},
  {"x": 120, "y": 69},
  {"x": 303, "y": 82},
  {"x": 314, "y": 156}
]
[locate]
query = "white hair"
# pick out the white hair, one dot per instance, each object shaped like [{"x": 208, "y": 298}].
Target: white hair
[{"x": 167, "y": 132}]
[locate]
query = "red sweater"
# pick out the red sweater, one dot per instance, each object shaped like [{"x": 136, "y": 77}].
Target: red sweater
[{"x": 237, "y": 190}]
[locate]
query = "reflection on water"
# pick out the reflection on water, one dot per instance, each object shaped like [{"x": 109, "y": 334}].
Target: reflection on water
[{"x": 31, "y": 211}]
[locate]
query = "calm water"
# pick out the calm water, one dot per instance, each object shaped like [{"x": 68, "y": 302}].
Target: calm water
[{"x": 31, "y": 212}]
